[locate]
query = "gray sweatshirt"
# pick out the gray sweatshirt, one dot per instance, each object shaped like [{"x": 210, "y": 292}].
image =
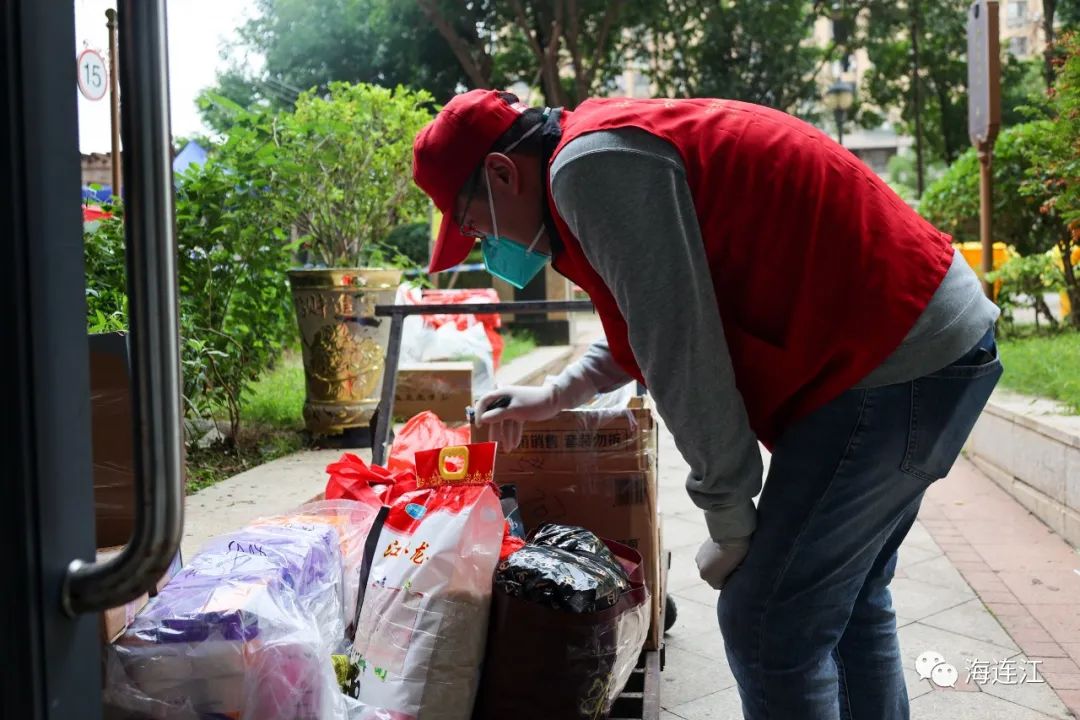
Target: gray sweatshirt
[{"x": 624, "y": 195}]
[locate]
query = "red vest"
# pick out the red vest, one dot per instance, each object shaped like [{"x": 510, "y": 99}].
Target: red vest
[{"x": 820, "y": 269}]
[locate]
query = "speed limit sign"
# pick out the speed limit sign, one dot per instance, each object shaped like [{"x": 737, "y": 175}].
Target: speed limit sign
[{"x": 93, "y": 76}]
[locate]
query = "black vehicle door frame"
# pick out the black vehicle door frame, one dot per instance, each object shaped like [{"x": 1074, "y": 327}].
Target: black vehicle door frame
[{"x": 51, "y": 665}]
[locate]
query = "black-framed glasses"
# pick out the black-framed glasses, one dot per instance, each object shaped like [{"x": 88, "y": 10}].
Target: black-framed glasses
[{"x": 468, "y": 230}]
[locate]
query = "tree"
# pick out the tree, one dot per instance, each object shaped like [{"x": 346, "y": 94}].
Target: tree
[
  {"x": 1055, "y": 173},
  {"x": 752, "y": 51},
  {"x": 952, "y": 202},
  {"x": 1049, "y": 8},
  {"x": 571, "y": 48},
  {"x": 312, "y": 43},
  {"x": 928, "y": 87},
  {"x": 1023, "y": 92},
  {"x": 1068, "y": 13},
  {"x": 1065, "y": 12},
  {"x": 462, "y": 27}
]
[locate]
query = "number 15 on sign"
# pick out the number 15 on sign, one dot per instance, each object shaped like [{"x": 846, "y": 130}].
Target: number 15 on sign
[{"x": 93, "y": 76}]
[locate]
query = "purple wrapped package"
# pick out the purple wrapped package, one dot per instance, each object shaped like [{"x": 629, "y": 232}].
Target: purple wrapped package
[{"x": 244, "y": 631}]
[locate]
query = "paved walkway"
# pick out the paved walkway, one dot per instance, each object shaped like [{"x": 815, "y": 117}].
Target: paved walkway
[
  {"x": 973, "y": 547},
  {"x": 979, "y": 579}
]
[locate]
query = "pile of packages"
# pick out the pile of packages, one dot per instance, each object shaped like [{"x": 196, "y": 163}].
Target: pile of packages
[
  {"x": 247, "y": 628},
  {"x": 408, "y": 594}
]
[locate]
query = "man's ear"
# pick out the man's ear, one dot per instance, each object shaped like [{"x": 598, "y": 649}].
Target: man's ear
[{"x": 501, "y": 169}]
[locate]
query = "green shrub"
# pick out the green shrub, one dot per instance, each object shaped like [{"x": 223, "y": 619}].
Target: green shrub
[
  {"x": 345, "y": 163},
  {"x": 232, "y": 254},
  {"x": 106, "y": 288},
  {"x": 411, "y": 241},
  {"x": 1054, "y": 175},
  {"x": 339, "y": 169},
  {"x": 1024, "y": 280},
  {"x": 235, "y": 306},
  {"x": 952, "y": 202}
]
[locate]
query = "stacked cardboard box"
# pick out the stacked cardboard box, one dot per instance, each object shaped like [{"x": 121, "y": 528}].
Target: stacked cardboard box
[
  {"x": 113, "y": 439},
  {"x": 596, "y": 469},
  {"x": 115, "y": 620},
  {"x": 445, "y": 388},
  {"x": 114, "y": 466}
]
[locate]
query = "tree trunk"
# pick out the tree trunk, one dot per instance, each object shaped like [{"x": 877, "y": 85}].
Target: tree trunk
[
  {"x": 1049, "y": 10},
  {"x": 916, "y": 94},
  {"x": 545, "y": 50},
  {"x": 948, "y": 149},
  {"x": 479, "y": 73},
  {"x": 1044, "y": 309}
]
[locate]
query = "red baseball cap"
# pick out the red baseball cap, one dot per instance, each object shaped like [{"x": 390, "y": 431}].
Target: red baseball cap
[{"x": 445, "y": 154}]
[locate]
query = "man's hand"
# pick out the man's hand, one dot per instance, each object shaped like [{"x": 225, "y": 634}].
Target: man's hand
[
  {"x": 514, "y": 406},
  {"x": 717, "y": 560}
]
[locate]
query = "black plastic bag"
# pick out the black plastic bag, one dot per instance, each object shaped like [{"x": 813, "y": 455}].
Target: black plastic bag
[
  {"x": 565, "y": 568},
  {"x": 544, "y": 663}
]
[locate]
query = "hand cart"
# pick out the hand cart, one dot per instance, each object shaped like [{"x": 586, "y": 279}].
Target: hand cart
[{"x": 640, "y": 699}]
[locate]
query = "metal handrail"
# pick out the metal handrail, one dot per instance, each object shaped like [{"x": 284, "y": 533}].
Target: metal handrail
[
  {"x": 521, "y": 307},
  {"x": 152, "y": 299},
  {"x": 397, "y": 315}
]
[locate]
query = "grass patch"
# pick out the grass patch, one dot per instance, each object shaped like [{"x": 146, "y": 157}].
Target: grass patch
[
  {"x": 273, "y": 424},
  {"x": 517, "y": 344},
  {"x": 277, "y": 398},
  {"x": 1044, "y": 365}
]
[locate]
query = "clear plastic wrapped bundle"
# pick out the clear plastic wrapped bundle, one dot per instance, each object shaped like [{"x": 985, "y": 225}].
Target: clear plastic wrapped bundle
[{"x": 247, "y": 629}]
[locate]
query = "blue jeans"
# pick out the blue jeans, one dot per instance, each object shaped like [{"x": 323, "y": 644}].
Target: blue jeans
[{"x": 807, "y": 618}]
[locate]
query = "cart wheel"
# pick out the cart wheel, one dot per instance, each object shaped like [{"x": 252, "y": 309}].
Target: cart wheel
[{"x": 671, "y": 613}]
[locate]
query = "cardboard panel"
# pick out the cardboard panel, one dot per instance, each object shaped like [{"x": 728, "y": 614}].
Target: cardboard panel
[
  {"x": 445, "y": 388},
  {"x": 113, "y": 439},
  {"x": 596, "y": 469}
]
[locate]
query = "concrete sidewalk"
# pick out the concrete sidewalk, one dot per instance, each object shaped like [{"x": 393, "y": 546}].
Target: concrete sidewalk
[
  {"x": 973, "y": 548},
  {"x": 980, "y": 580},
  {"x": 940, "y": 607}
]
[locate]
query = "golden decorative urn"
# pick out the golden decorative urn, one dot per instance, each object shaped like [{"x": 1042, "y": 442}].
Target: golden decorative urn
[{"x": 344, "y": 344}]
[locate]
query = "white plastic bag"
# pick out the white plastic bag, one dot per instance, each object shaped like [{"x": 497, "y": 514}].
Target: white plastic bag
[
  {"x": 423, "y": 623},
  {"x": 420, "y": 342}
]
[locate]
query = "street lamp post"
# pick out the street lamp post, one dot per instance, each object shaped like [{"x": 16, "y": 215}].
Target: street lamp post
[{"x": 839, "y": 98}]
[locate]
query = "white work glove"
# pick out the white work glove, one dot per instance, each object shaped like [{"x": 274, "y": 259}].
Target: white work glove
[
  {"x": 717, "y": 560},
  {"x": 526, "y": 403},
  {"x": 571, "y": 388}
]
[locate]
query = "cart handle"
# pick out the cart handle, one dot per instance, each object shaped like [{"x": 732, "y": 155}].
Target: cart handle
[{"x": 397, "y": 315}]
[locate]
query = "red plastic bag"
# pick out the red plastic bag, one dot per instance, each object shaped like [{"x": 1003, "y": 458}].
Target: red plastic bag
[
  {"x": 353, "y": 479},
  {"x": 423, "y": 432},
  {"x": 510, "y": 544}
]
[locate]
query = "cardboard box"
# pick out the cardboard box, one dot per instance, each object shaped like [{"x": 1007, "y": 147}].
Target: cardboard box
[
  {"x": 445, "y": 388},
  {"x": 115, "y": 620},
  {"x": 113, "y": 439},
  {"x": 596, "y": 469},
  {"x": 174, "y": 567}
]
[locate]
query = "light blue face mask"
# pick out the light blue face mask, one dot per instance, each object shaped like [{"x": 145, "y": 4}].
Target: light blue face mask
[
  {"x": 504, "y": 258},
  {"x": 511, "y": 261}
]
